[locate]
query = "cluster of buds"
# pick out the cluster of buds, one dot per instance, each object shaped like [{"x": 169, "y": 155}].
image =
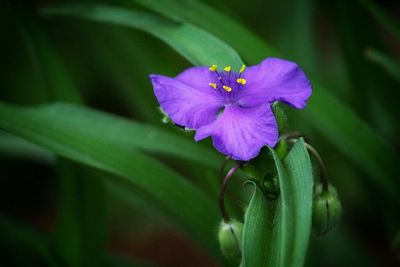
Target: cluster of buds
[{"x": 326, "y": 209}]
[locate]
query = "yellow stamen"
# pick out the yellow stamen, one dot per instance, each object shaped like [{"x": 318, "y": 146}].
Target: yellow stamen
[
  {"x": 242, "y": 68},
  {"x": 213, "y": 68},
  {"x": 213, "y": 85},
  {"x": 227, "y": 88},
  {"x": 241, "y": 81},
  {"x": 227, "y": 68}
]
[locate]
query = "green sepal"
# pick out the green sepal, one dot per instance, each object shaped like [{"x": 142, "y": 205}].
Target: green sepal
[{"x": 230, "y": 239}]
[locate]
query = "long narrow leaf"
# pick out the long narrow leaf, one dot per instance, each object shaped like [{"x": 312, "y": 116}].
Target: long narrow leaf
[
  {"x": 200, "y": 49},
  {"x": 389, "y": 64},
  {"x": 257, "y": 237},
  {"x": 79, "y": 237},
  {"x": 277, "y": 233},
  {"x": 383, "y": 17},
  {"x": 80, "y": 232},
  {"x": 76, "y": 136}
]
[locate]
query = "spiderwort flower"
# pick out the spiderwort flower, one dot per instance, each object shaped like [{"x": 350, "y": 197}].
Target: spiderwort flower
[{"x": 234, "y": 108}]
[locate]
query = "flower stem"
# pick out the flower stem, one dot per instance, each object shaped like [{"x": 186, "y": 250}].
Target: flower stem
[
  {"x": 223, "y": 165},
  {"x": 324, "y": 177},
  {"x": 295, "y": 135},
  {"x": 224, "y": 183}
]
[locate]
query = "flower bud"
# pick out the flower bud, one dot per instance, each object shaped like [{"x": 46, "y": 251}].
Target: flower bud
[
  {"x": 271, "y": 188},
  {"x": 327, "y": 210},
  {"x": 319, "y": 188},
  {"x": 230, "y": 239}
]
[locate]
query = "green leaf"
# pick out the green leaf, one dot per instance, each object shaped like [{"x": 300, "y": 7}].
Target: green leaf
[
  {"x": 80, "y": 228},
  {"x": 356, "y": 140},
  {"x": 117, "y": 60},
  {"x": 111, "y": 145},
  {"x": 324, "y": 112},
  {"x": 383, "y": 17},
  {"x": 391, "y": 66},
  {"x": 14, "y": 147},
  {"x": 300, "y": 186},
  {"x": 257, "y": 237},
  {"x": 249, "y": 45},
  {"x": 195, "y": 44},
  {"x": 277, "y": 233},
  {"x": 80, "y": 232},
  {"x": 120, "y": 132},
  {"x": 49, "y": 66}
]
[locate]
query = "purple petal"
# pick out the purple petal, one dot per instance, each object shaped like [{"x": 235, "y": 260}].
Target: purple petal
[
  {"x": 188, "y": 99},
  {"x": 242, "y": 132},
  {"x": 275, "y": 80}
]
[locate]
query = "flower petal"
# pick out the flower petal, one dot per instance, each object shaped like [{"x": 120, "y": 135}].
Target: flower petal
[
  {"x": 188, "y": 99},
  {"x": 242, "y": 132},
  {"x": 275, "y": 80}
]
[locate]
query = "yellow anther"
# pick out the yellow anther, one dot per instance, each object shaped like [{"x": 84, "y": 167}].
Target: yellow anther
[
  {"x": 227, "y": 88},
  {"x": 241, "y": 81},
  {"x": 213, "y": 85},
  {"x": 227, "y": 68},
  {"x": 242, "y": 68},
  {"x": 213, "y": 68}
]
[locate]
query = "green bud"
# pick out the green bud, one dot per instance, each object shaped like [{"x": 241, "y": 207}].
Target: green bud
[
  {"x": 327, "y": 210},
  {"x": 230, "y": 239},
  {"x": 319, "y": 188},
  {"x": 271, "y": 188}
]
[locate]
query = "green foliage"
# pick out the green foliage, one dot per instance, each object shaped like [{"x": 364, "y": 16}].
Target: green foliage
[
  {"x": 101, "y": 59},
  {"x": 201, "y": 48},
  {"x": 277, "y": 233},
  {"x": 103, "y": 149}
]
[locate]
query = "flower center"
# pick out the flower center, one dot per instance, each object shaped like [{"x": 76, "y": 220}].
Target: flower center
[{"x": 227, "y": 81}]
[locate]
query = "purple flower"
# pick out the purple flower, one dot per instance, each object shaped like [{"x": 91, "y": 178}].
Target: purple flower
[{"x": 234, "y": 108}]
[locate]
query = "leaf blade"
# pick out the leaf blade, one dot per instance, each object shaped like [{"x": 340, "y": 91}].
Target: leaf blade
[
  {"x": 189, "y": 206},
  {"x": 195, "y": 44},
  {"x": 277, "y": 233}
]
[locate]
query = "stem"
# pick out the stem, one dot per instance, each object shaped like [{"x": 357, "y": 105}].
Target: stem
[
  {"x": 224, "y": 183},
  {"x": 223, "y": 165},
  {"x": 324, "y": 177},
  {"x": 294, "y": 135}
]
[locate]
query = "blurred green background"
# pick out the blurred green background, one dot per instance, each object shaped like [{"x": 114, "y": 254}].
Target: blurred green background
[{"x": 57, "y": 212}]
